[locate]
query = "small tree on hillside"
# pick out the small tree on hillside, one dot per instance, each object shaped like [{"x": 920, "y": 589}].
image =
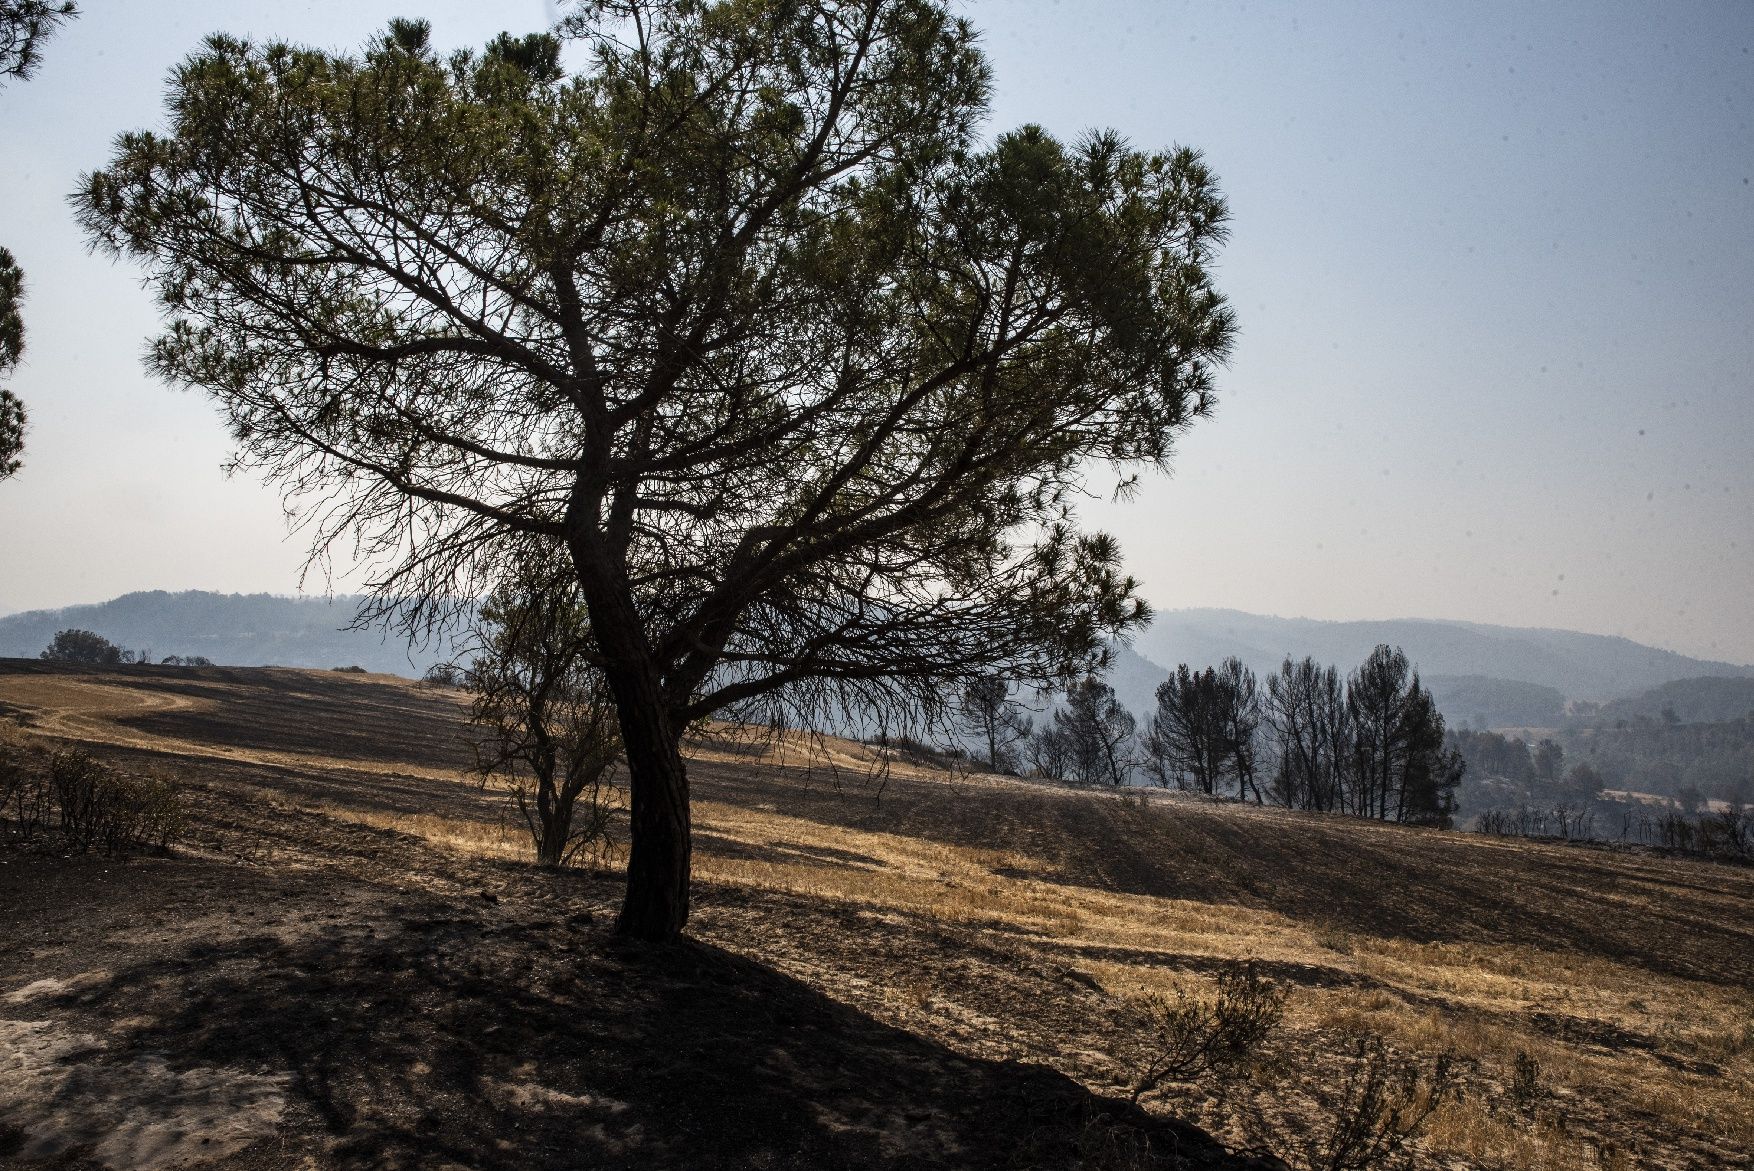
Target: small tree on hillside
[
  {"x": 1184, "y": 742},
  {"x": 1049, "y": 750},
  {"x": 547, "y": 712},
  {"x": 82, "y": 646},
  {"x": 1431, "y": 772},
  {"x": 1098, "y": 733},
  {"x": 989, "y": 713},
  {"x": 1311, "y": 735},
  {"x": 1583, "y": 783},
  {"x": 1377, "y": 699},
  {"x": 1204, "y": 729},
  {"x": 1549, "y": 759},
  {"x": 1242, "y": 725}
]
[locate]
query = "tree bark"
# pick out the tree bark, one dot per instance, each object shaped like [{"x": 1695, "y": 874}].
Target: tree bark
[
  {"x": 660, "y": 848},
  {"x": 656, "y": 904}
]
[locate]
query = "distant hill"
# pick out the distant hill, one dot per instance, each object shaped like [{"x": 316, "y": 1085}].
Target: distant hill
[
  {"x": 1577, "y": 666},
  {"x": 1135, "y": 679},
  {"x": 241, "y": 630},
  {"x": 1481, "y": 701},
  {"x": 1504, "y": 675},
  {"x": 1708, "y": 700},
  {"x": 1477, "y": 700}
]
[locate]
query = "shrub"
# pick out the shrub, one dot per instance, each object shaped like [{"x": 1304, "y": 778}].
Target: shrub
[
  {"x": 356, "y": 669},
  {"x": 1380, "y": 1107},
  {"x": 78, "y": 780},
  {"x": 1188, "y": 1039},
  {"x": 96, "y": 805},
  {"x": 545, "y": 716},
  {"x": 443, "y": 675},
  {"x": 25, "y": 797},
  {"x": 143, "y": 812},
  {"x": 1525, "y": 1084}
]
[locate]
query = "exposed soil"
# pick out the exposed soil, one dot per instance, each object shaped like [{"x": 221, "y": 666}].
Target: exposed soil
[{"x": 295, "y": 988}]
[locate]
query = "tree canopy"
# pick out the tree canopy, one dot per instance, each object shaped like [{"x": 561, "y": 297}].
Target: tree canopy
[
  {"x": 81, "y": 646},
  {"x": 24, "y": 26},
  {"x": 12, "y": 413},
  {"x": 804, "y": 374}
]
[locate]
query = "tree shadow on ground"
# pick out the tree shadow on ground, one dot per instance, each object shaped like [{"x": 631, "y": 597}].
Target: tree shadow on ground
[{"x": 473, "y": 1038}]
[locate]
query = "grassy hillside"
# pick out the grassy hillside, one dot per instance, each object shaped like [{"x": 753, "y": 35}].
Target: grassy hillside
[{"x": 348, "y": 963}]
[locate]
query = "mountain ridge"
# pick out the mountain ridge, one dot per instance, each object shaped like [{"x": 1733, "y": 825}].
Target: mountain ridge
[
  {"x": 1580, "y": 666},
  {"x": 240, "y": 630},
  {"x": 1485, "y": 674}
]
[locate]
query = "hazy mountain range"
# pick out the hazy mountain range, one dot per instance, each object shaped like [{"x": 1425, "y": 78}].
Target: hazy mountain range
[
  {"x": 1492, "y": 676},
  {"x": 240, "y": 630}
]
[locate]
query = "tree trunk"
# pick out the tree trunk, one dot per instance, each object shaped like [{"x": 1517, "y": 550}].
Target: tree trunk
[
  {"x": 555, "y": 808},
  {"x": 554, "y": 819},
  {"x": 659, "y": 849},
  {"x": 656, "y": 904}
]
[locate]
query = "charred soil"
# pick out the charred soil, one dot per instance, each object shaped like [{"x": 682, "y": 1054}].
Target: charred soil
[{"x": 347, "y": 962}]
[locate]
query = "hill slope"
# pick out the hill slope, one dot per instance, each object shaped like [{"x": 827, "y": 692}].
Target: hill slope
[{"x": 351, "y": 965}]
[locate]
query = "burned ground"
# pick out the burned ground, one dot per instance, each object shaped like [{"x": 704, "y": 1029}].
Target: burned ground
[{"x": 347, "y": 963}]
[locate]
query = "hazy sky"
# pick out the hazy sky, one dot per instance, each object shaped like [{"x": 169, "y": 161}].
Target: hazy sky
[{"x": 1493, "y": 265}]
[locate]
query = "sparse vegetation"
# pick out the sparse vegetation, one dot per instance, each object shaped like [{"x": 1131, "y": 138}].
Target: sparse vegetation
[
  {"x": 989, "y": 918},
  {"x": 88, "y": 803},
  {"x": 1524, "y": 1093},
  {"x": 1381, "y": 1106},
  {"x": 545, "y": 715},
  {"x": 1187, "y": 1039},
  {"x": 443, "y": 675}
]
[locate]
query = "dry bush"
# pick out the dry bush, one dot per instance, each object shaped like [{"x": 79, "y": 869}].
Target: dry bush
[
  {"x": 586, "y": 839},
  {"x": 77, "y": 780},
  {"x": 145, "y": 812},
  {"x": 1188, "y": 1039},
  {"x": 1381, "y": 1106},
  {"x": 99, "y": 806},
  {"x": 1107, "y": 1145},
  {"x": 1525, "y": 1084},
  {"x": 26, "y": 800}
]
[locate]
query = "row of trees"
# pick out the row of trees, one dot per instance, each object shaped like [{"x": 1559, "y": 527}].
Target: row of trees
[{"x": 1371, "y": 744}]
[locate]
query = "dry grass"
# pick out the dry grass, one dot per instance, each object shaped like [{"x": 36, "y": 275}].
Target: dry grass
[
  {"x": 1477, "y": 1001},
  {"x": 1637, "y": 1068}
]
